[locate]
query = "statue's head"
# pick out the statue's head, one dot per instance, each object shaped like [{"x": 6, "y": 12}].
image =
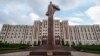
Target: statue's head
[
  {"x": 50, "y": 2},
  {"x": 54, "y": 8}
]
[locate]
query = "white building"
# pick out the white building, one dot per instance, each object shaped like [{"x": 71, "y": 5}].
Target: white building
[
  {"x": 16, "y": 34},
  {"x": 30, "y": 34},
  {"x": 86, "y": 34}
]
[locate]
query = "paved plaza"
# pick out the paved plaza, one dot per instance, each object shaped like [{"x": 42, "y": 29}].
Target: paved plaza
[
  {"x": 75, "y": 53},
  {"x": 25, "y": 53}
]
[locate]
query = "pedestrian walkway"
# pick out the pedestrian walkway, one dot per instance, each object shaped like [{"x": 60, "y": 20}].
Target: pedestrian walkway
[
  {"x": 76, "y": 53},
  {"x": 26, "y": 53}
]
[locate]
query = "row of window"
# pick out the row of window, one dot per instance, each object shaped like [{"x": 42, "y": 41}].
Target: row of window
[
  {"x": 17, "y": 33},
  {"x": 84, "y": 36},
  {"x": 23, "y": 42},
  {"x": 15, "y": 30},
  {"x": 15, "y": 37},
  {"x": 85, "y": 29}
]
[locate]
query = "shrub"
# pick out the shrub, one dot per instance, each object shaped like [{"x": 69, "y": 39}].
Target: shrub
[
  {"x": 73, "y": 44},
  {"x": 4, "y": 46},
  {"x": 88, "y": 47},
  {"x": 67, "y": 44}
]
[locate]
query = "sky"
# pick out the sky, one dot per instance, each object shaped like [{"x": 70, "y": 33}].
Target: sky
[{"x": 25, "y": 12}]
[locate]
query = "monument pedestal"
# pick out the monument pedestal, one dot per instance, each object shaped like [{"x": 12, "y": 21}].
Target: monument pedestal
[
  {"x": 57, "y": 51},
  {"x": 50, "y": 53}
]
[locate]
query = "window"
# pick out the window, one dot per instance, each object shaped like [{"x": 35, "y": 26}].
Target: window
[
  {"x": 84, "y": 29},
  {"x": 88, "y": 29},
  {"x": 26, "y": 37},
  {"x": 81, "y": 29},
  {"x": 18, "y": 36},
  {"x": 86, "y": 36},
  {"x": 3, "y": 33},
  {"x": 30, "y": 33},
  {"x": 90, "y": 36}
]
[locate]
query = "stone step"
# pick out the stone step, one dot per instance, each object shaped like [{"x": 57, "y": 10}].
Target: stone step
[
  {"x": 38, "y": 53},
  {"x": 55, "y": 48},
  {"x": 52, "y": 53}
]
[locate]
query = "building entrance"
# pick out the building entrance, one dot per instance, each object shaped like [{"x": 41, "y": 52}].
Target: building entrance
[
  {"x": 44, "y": 40},
  {"x": 57, "y": 40}
]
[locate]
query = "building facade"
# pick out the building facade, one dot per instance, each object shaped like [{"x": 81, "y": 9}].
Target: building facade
[
  {"x": 38, "y": 33},
  {"x": 16, "y": 34},
  {"x": 85, "y": 34}
]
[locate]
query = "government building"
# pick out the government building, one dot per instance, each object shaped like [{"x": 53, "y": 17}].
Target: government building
[{"x": 62, "y": 32}]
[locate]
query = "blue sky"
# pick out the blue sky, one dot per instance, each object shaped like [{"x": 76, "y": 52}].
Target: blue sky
[{"x": 77, "y": 12}]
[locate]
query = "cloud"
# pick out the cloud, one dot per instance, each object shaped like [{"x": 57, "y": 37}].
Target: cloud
[
  {"x": 73, "y": 23},
  {"x": 26, "y": 11},
  {"x": 94, "y": 12},
  {"x": 97, "y": 2},
  {"x": 75, "y": 19},
  {"x": 15, "y": 11},
  {"x": 69, "y": 4},
  {"x": 57, "y": 18},
  {"x": 79, "y": 14},
  {"x": 34, "y": 16}
]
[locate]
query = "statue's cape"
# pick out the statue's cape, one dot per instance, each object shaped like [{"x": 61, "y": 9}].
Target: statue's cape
[{"x": 56, "y": 7}]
